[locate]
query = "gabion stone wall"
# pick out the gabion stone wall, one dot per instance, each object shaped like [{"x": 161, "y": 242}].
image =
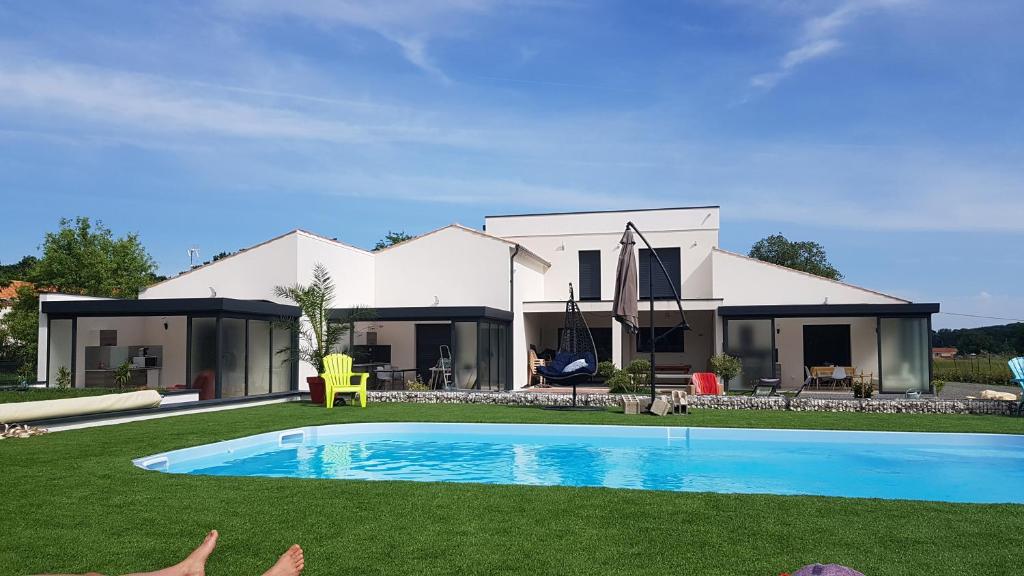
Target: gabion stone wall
[
  {"x": 896, "y": 406},
  {"x": 738, "y": 402},
  {"x": 499, "y": 398},
  {"x": 906, "y": 406}
]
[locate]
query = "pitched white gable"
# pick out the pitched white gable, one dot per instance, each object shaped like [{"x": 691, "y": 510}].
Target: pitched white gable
[{"x": 743, "y": 281}]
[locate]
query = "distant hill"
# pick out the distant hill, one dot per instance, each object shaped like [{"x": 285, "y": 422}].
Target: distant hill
[{"x": 1004, "y": 339}]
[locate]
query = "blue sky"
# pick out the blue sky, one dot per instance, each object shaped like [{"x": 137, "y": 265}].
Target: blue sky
[{"x": 888, "y": 130}]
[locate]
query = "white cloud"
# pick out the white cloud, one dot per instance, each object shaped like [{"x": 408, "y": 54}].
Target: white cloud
[
  {"x": 819, "y": 38},
  {"x": 410, "y": 25},
  {"x": 148, "y": 104}
]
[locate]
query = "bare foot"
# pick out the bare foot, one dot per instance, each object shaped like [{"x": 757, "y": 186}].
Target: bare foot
[
  {"x": 290, "y": 563},
  {"x": 195, "y": 564}
]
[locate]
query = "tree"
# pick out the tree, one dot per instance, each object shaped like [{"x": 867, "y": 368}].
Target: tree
[
  {"x": 19, "y": 328},
  {"x": 81, "y": 258},
  {"x": 804, "y": 256},
  {"x": 17, "y": 271},
  {"x": 390, "y": 239}
]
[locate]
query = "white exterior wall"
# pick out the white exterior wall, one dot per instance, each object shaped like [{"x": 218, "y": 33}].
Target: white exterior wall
[
  {"x": 528, "y": 285},
  {"x": 744, "y": 281},
  {"x": 174, "y": 341},
  {"x": 352, "y": 269},
  {"x": 458, "y": 267},
  {"x": 248, "y": 275},
  {"x": 789, "y": 340},
  {"x": 41, "y": 341},
  {"x": 558, "y": 238},
  {"x": 698, "y": 342}
]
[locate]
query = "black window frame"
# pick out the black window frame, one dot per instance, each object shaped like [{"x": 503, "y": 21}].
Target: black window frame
[
  {"x": 589, "y": 285},
  {"x": 671, "y": 256}
]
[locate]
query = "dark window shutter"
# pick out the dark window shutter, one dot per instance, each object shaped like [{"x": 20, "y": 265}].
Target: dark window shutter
[
  {"x": 662, "y": 288},
  {"x": 590, "y": 275}
]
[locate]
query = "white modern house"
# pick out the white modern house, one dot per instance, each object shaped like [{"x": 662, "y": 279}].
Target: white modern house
[{"x": 489, "y": 296}]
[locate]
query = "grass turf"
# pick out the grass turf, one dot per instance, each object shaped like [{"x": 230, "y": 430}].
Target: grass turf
[
  {"x": 33, "y": 394},
  {"x": 72, "y": 502}
]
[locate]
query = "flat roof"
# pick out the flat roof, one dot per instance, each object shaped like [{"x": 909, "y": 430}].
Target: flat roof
[
  {"x": 602, "y": 211},
  {"x": 828, "y": 310},
  {"x": 427, "y": 313},
  {"x": 167, "y": 307}
]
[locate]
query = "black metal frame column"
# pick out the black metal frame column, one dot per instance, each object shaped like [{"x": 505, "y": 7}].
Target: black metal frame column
[
  {"x": 74, "y": 350},
  {"x": 218, "y": 365}
]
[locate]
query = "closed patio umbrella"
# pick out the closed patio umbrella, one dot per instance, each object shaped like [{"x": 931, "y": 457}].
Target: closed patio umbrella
[{"x": 624, "y": 306}]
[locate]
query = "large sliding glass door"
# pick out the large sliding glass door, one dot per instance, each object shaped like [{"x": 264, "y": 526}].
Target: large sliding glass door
[
  {"x": 231, "y": 357},
  {"x": 752, "y": 340},
  {"x": 904, "y": 347},
  {"x": 492, "y": 355}
]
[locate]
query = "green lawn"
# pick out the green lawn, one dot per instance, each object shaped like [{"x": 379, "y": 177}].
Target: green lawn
[
  {"x": 72, "y": 502},
  {"x": 32, "y": 394}
]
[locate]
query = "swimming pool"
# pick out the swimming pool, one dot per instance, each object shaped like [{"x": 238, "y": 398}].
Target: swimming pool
[{"x": 894, "y": 465}]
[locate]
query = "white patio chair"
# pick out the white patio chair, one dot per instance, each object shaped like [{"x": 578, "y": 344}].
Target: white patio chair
[
  {"x": 385, "y": 376},
  {"x": 838, "y": 376}
]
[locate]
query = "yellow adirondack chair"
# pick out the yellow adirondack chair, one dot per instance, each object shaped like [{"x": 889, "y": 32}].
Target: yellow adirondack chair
[{"x": 338, "y": 379}]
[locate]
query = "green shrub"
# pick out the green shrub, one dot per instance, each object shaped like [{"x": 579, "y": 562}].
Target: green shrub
[
  {"x": 123, "y": 375},
  {"x": 63, "y": 378},
  {"x": 606, "y": 369},
  {"x": 863, "y": 389},
  {"x": 416, "y": 385},
  {"x": 640, "y": 371},
  {"x": 725, "y": 366},
  {"x": 938, "y": 385},
  {"x": 620, "y": 383}
]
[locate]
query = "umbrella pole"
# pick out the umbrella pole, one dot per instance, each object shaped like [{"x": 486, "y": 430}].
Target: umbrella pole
[{"x": 650, "y": 296}]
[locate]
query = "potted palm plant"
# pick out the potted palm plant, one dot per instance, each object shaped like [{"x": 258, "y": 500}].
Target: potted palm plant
[{"x": 318, "y": 334}]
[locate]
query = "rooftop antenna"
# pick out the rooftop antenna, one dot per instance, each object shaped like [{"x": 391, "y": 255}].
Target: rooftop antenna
[{"x": 193, "y": 256}]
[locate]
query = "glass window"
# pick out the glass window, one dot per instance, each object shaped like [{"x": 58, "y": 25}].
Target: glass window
[
  {"x": 494, "y": 351},
  {"x": 60, "y": 350},
  {"x": 484, "y": 356},
  {"x": 259, "y": 357},
  {"x": 671, "y": 343},
  {"x": 465, "y": 346},
  {"x": 751, "y": 341},
  {"x": 232, "y": 358},
  {"x": 203, "y": 357},
  {"x": 905, "y": 351},
  {"x": 649, "y": 266},
  {"x": 281, "y": 365},
  {"x": 590, "y": 275}
]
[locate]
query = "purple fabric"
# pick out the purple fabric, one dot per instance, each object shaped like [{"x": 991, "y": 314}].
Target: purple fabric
[{"x": 826, "y": 570}]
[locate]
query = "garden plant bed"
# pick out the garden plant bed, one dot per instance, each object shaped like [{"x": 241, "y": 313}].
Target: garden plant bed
[{"x": 80, "y": 489}]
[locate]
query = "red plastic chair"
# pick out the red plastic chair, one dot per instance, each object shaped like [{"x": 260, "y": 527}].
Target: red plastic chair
[
  {"x": 206, "y": 385},
  {"x": 705, "y": 383}
]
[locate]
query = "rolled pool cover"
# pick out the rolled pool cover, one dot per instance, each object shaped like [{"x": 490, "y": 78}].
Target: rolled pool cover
[{"x": 21, "y": 412}]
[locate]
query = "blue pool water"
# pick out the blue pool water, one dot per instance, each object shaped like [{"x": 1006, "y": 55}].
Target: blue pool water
[{"x": 916, "y": 466}]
